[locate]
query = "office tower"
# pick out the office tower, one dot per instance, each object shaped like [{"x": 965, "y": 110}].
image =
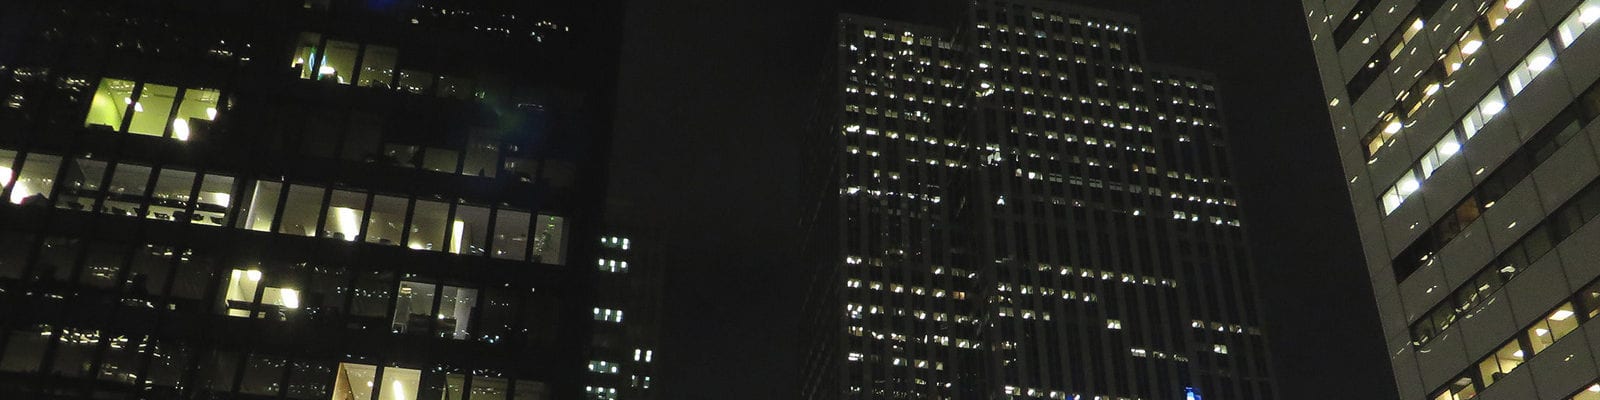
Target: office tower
[
  {"x": 302, "y": 199},
  {"x": 628, "y": 298},
  {"x": 1463, "y": 127},
  {"x": 1018, "y": 205}
]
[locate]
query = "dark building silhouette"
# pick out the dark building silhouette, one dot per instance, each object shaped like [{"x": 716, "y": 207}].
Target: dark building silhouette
[
  {"x": 1465, "y": 132},
  {"x": 1015, "y": 204},
  {"x": 302, "y": 199}
]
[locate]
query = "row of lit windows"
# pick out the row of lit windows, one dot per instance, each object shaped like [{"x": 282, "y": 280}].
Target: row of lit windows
[
  {"x": 858, "y": 311},
  {"x": 925, "y": 339},
  {"x": 899, "y": 288},
  {"x": 185, "y": 197},
  {"x": 1224, "y": 328},
  {"x": 169, "y": 365},
  {"x": 1056, "y": 394},
  {"x": 336, "y": 61},
  {"x": 898, "y": 361},
  {"x": 1491, "y": 105},
  {"x": 1539, "y": 241},
  {"x": 1544, "y": 144},
  {"x": 1157, "y": 354},
  {"x": 151, "y": 109},
  {"x": 1530, "y": 341},
  {"x": 1454, "y": 59},
  {"x": 612, "y": 266}
]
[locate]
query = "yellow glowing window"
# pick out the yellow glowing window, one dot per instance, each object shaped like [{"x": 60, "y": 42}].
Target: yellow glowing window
[{"x": 110, "y": 104}]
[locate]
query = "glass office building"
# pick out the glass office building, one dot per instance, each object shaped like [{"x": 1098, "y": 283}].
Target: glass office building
[
  {"x": 1016, "y": 204},
  {"x": 1464, "y": 131},
  {"x": 301, "y": 199}
]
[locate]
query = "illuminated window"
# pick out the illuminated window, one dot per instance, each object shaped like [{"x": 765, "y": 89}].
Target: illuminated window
[
  {"x": 338, "y": 62},
  {"x": 152, "y": 108},
  {"x": 377, "y": 67},
  {"x": 305, "y": 54},
  {"x": 171, "y": 199},
  {"x": 216, "y": 196},
  {"x": 386, "y": 223},
  {"x": 470, "y": 232},
  {"x": 197, "y": 107},
  {"x": 1578, "y": 22},
  {"x": 414, "y": 312},
  {"x": 81, "y": 184},
  {"x": 300, "y": 210},
  {"x": 126, "y": 195},
  {"x": 241, "y": 296},
  {"x": 36, "y": 183},
  {"x": 358, "y": 382},
  {"x": 511, "y": 234},
  {"x": 345, "y": 211},
  {"x": 429, "y": 226},
  {"x": 1497, "y": 365},
  {"x": 263, "y": 206},
  {"x": 110, "y": 104}
]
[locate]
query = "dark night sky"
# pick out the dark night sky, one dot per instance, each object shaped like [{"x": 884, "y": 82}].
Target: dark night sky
[{"x": 714, "y": 98}]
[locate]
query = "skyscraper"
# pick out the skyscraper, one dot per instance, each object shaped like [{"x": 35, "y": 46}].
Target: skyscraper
[
  {"x": 1017, "y": 205},
  {"x": 1464, "y": 131},
  {"x": 302, "y": 199}
]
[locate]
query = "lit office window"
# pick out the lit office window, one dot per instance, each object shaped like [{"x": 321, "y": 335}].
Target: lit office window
[
  {"x": 548, "y": 240},
  {"x": 386, "y": 223},
  {"x": 455, "y": 311},
  {"x": 511, "y": 234},
  {"x": 216, "y": 196},
  {"x": 171, "y": 198},
  {"x": 263, "y": 206},
  {"x": 1555, "y": 325},
  {"x": 300, "y": 210},
  {"x": 36, "y": 183},
  {"x": 81, "y": 184},
  {"x": 127, "y": 193},
  {"x": 197, "y": 105},
  {"x": 455, "y": 386},
  {"x": 470, "y": 231},
  {"x": 305, "y": 54},
  {"x": 240, "y": 299},
  {"x": 607, "y": 315},
  {"x": 1531, "y": 66},
  {"x": 338, "y": 62},
  {"x": 429, "y": 226},
  {"x": 1578, "y": 22},
  {"x": 377, "y": 67},
  {"x": 152, "y": 108},
  {"x": 1497, "y": 365},
  {"x": 8, "y": 163},
  {"x": 110, "y": 104},
  {"x": 413, "y": 310},
  {"x": 345, "y": 210}
]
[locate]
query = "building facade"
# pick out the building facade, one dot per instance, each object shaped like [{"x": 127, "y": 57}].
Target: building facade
[
  {"x": 301, "y": 199},
  {"x": 628, "y": 302},
  {"x": 1019, "y": 205},
  {"x": 1463, "y": 127}
]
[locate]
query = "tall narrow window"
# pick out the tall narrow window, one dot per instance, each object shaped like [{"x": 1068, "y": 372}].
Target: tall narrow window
[
  {"x": 547, "y": 240},
  {"x": 413, "y": 309},
  {"x": 305, "y": 54},
  {"x": 216, "y": 196},
  {"x": 110, "y": 104},
  {"x": 456, "y": 305},
  {"x": 8, "y": 163},
  {"x": 471, "y": 230},
  {"x": 263, "y": 207}
]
